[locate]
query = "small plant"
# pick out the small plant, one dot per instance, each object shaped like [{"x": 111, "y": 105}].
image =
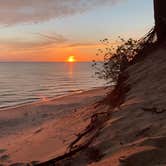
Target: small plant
[{"x": 115, "y": 58}]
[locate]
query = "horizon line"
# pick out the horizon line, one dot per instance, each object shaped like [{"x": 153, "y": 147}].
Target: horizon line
[{"x": 44, "y": 61}]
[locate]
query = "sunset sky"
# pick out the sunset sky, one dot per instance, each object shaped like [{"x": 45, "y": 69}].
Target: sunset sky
[{"x": 53, "y": 30}]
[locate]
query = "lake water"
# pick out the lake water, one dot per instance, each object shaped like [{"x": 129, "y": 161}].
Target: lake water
[{"x": 22, "y": 83}]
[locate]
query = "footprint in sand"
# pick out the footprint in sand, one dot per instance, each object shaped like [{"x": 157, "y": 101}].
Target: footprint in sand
[
  {"x": 4, "y": 158},
  {"x": 2, "y": 150}
]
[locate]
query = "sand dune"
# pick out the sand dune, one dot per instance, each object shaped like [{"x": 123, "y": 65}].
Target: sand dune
[{"x": 129, "y": 132}]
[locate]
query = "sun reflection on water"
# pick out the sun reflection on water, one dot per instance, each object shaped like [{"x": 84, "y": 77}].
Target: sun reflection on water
[{"x": 71, "y": 70}]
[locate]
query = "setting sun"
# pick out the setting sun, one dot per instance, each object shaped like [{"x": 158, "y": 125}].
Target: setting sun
[{"x": 71, "y": 59}]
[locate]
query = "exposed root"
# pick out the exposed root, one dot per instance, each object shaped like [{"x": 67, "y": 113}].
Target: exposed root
[
  {"x": 117, "y": 96},
  {"x": 92, "y": 130}
]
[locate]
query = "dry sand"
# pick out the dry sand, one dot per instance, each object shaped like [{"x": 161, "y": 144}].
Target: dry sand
[{"x": 41, "y": 131}]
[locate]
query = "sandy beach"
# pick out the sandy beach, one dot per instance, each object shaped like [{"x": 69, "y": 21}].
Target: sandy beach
[{"x": 40, "y": 131}]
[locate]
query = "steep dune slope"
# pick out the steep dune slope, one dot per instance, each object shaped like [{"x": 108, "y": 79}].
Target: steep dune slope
[
  {"x": 137, "y": 137},
  {"x": 132, "y": 133}
]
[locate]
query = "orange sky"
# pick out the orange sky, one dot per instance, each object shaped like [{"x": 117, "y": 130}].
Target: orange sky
[
  {"x": 53, "y": 30},
  {"x": 51, "y": 53}
]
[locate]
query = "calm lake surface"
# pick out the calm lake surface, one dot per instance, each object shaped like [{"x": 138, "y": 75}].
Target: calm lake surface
[{"x": 22, "y": 83}]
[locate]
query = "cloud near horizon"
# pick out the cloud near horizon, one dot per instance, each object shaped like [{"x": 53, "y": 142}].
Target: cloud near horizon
[
  {"x": 33, "y": 11},
  {"x": 43, "y": 40}
]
